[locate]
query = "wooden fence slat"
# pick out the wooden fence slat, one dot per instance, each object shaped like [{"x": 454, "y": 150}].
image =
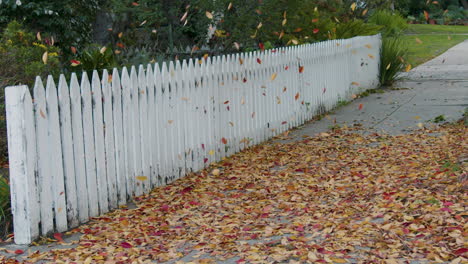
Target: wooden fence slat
[
  {"x": 119, "y": 138},
  {"x": 55, "y": 156},
  {"x": 151, "y": 115},
  {"x": 78, "y": 150},
  {"x": 67, "y": 152},
  {"x": 99, "y": 141},
  {"x": 88, "y": 135},
  {"x": 136, "y": 132},
  {"x": 44, "y": 175},
  {"x": 128, "y": 133},
  {"x": 22, "y": 157},
  {"x": 109, "y": 140},
  {"x": 143, "y": 113}
]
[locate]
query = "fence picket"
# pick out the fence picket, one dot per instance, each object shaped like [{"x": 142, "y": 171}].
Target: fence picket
[
  {"x": 78, "y": 149},
  {"x": 44, "y": 175},
  {"x": 119, "y": 143},
  {"x": 67, "y": 152},
  {"x": 55, "y": 156},
  {"x": 128, "y": 133},
  {"x": 109, "y": 139},
  {"x": 145, "y": 181},
  {"x": 88, "y": 135}
]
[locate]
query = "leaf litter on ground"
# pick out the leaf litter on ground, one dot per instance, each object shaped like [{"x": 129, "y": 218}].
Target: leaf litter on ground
[{"x": 339, "y": 197}]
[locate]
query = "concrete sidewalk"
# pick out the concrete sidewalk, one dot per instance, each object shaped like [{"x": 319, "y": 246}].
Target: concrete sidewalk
[{"x": 436, "y": 88}]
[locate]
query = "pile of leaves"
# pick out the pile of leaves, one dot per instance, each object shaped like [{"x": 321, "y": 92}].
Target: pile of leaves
[{"x": 337, "y": 197}]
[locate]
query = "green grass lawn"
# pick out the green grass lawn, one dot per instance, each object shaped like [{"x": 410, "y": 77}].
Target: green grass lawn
[{"x": 425, "y": 42}]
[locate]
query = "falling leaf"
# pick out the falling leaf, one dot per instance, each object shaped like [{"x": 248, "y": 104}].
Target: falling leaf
[
  {"x": 120, "y": 45},
  {"x": 273, "y": 76},
  {"x": 324, "y": 90},
  {"x": 75, "y": 63},
  {"x": 229, "y": 6},
  {"x": 184, "y": 16},
  {"x": 284, "y": 89},
  {"x": 369, "y": 46},
  {"x": 353, "y": 6},
  {"x": 209, "y": 15},
  {"x": 418, "y": 41},
  {"x": 170, "y": 121},
  {"x": 281, "y": 35},
  {"x": 194, "y": 48},
  {"x": 224, "y": 141},
  {"x": 259, "y": 25},
  {"x": 142, "y": 23},
  {"x": 141, "y": 178},
  {"x": 408, "y": 68},
  {"x": 242, "y": 101},
  {"x": 371, "y": 56},
  {"x": 364, "y": 12},
  {"x": 226, "y": 102},
  {"x": 241, "y": 61},
  {"x": 297, "y": 30},
  {"x": 259, "y": 61},
  {"x": 38, "y": 36},
  {"x": 296, "y": 97},
  {"x": 211, "y": 152},
  {"x": 103, "y": 49},
  {"x": 42, "y": 114},
  {"x": 355, "y": 83},
  {"x": 284, "y": 22},
  {"x": 315, "y": 20},
  {"x": 253, "y": 114},
  {"x": 426, "y": 15},
  {"x": 360, "y": 106},
  {"x": 205, "y": 56},
  {"x": 261, "y": 46},
  {"x": 388, "y": 66},
  {"x": 45, "y": 56},
  {"x": 135, "y": 4},
  {"x": 301, "y": 69},
  {"x": 315, "y": 30},
  {"x": 236, "y": 45},
  {"x": 73, "y": 50}
]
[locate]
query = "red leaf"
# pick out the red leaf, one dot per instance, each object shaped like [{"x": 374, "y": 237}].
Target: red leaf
[
  {"x": 315, "y": 20},
  {"x": 360, "y": 106},
  {"x": 227, "y": 102},
  {"x": 301, "y": 69},
  {"x": 120, "y": 45},
  {"x": 324, "y": 89},
  {"x": 316, "y": 30},
  {"x": 261, "y": 46},
  {"x": 286, "y": 68},
  {"x": 244, "y": 80},
  {"x": 224, "y": 141},
  {"x": 259, "y": 61},
  {"x": 125, "y": 245},
  {"x": 58, "y": 236},
  {"x": 135, "y": 4},
  {"x": 460, "y": 251},
  {"x": 19, "y": 251},
  {"x": 73, "y": 50}
]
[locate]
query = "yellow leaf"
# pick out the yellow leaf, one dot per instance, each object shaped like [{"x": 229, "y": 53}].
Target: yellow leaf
[
  {"x": 294, "y": 41},
  {"x": 408, "y": 68},
  {"x": 355, "y": 83},
  {"x": 45, "y": 56},
  {"x": 259, "y": 25},
  {"x": 38, "y": 35},
  {"x": 211, "y": 152},
  {"x": 215, "y": 172},
  {"x": 339, "y": 260},
  {"x": 369, "y": 46},
  {"x": 229, "y": 6},
  {"x": 120, "y": 35},
  {"x": 209, "y": 15},
  {"x": 284, "y": 21},
  {"x": 418, "y": 41},
  {"x": 364, "y": 12},
  {"x": 141, "y": 178},
  {"x": 273, "y": 76},
  {"x": 103, "y": 49},
  {"x": 370, "y": 56},
  {"x": 353, "y": 6},
  {"x": 388, "y": 66},
  {"x": 417, "y": 117}
]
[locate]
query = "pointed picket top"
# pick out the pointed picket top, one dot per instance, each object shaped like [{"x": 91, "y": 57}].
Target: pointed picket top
[
  {"x": 149, "y": 77},
  {"x": 38, "y": 90}
]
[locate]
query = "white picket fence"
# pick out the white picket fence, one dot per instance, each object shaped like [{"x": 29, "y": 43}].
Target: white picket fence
[{"x": 80, "y": 149}]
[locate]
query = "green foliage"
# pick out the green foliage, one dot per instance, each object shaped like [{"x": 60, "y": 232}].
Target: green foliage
[
  {"x": 68, "y": 21},
  {"x": 355, "y": 28},
  {"x": 393, "y": 24},
  {"x": 5, "y": 207},
  {"x": 392, "y": 57},
  {"x": 21, "y": 56},
  {"x": 95, "y": 57}
]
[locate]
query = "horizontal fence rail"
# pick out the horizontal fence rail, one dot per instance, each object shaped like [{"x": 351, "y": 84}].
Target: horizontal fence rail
[{"x": 83, "y": 147}]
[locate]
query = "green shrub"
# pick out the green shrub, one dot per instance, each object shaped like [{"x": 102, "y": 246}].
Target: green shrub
[
  {"x": 392, "y": 56},
  {"x": 355, "y": 28},
  {"x": 23, "y": 57},
  {"x": 5, "y": 207},
  {"x": 393, "y": 24},
  {"x": 94, "y": 57}
]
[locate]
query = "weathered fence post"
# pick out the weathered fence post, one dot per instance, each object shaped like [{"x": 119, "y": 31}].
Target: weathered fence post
[{"x": 22, "y": 157}]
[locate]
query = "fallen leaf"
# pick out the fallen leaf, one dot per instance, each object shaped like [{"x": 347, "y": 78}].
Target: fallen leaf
[
  {"x": 273, "y": 76},
  {"x": 209, "y": 15}
]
